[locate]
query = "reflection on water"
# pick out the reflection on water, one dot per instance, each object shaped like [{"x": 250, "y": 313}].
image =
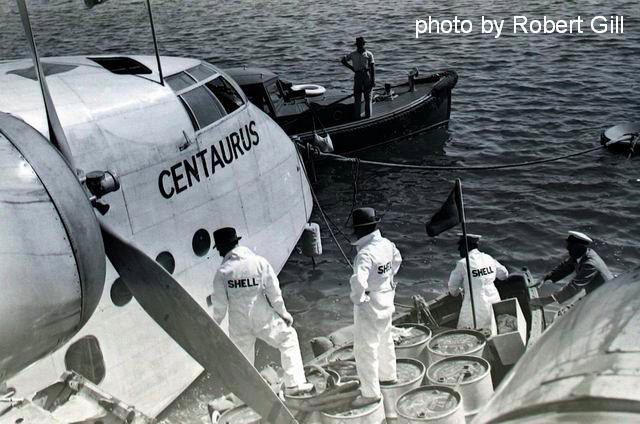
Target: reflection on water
[{"x": 519, "y": 98}]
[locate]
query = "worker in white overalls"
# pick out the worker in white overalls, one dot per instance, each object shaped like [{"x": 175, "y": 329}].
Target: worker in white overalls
[
  {"x": 484, "y": 271},
  {"x": 247, "y": 286},
  {"x": 372, "y": 294}
]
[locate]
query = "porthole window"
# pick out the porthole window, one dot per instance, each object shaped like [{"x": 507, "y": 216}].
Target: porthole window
[
  {"x": 85, "y": 357},
  {"x": 166, "y": 260},
  {"x": 201, "y": 242},
  {"x": 120, "y": 294}
]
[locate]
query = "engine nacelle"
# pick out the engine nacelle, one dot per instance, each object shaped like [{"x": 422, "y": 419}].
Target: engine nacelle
[
  {"x": 52, "y": 262},
  {"x": 583, "y": 369}
]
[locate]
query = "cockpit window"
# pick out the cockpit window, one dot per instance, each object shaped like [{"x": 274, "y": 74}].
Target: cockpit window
[
  {"x": 225, "y": 92},
  {"x": 201, "y": 72},
  {"x": 205, "y": 94},
  {"x": 204, "y": 106},
  {"x": 179, "y": 81}
]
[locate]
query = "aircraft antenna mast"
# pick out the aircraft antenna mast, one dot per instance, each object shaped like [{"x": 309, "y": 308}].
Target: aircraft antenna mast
[{"x": 155, "y": 41}]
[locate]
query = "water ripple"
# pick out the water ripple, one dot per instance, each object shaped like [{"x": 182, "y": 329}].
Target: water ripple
[{"x": 520, "y": 97}]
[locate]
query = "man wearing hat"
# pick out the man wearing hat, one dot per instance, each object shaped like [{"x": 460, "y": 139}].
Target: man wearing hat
[
  {"x": 372, "y": 294},
  {"x": 246, "y": 285},
  {"x": 590, "y": 270},
  {"x": 364, "y": 77},
  {"x": 484, "y": 271}
]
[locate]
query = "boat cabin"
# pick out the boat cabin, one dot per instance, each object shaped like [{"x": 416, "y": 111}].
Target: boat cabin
[
  {"x": 267, "y": 91},
  {"x": 405, "y": 108}
]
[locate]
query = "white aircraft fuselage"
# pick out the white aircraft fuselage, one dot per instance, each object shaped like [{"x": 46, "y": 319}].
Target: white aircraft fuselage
[{"x": 188, "y": 162}]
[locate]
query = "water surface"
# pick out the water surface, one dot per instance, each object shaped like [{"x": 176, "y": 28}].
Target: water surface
[{"x": 519, "y": 98}]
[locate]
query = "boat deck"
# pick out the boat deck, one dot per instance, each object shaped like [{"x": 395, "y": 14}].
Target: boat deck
[{"x": 403, "y": 96}]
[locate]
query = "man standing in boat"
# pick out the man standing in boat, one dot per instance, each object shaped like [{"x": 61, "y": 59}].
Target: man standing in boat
[
  {"x": 363, "y": 67},
  {"x": 590, "y": 270},
  {"x": 484, "y": 271},
  {"x": 372, "y": 293},
  {"x": 247, "y": 286}
]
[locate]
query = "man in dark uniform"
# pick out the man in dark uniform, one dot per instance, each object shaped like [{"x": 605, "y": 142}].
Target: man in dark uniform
[
  {"x": 590, "y": 270},
  {"x": 364, "y": 78}
]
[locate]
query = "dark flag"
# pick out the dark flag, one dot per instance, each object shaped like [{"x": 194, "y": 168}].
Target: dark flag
[{"x": 449, "y": 215}]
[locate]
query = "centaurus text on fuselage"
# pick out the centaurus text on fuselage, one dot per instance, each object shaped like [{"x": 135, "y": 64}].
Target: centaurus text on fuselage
[{"x": 187, "y": 172}]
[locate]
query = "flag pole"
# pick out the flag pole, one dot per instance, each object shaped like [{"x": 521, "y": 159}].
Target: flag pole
[{"x": 466, "y": 248}]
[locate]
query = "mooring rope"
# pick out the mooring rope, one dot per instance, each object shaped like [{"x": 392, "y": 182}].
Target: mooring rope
[
  {"x": 324, "y": 217},
  {"x": 355, "y": 175},
  {"x": 356, "y": 169},
  {"x": 340, "y": 158}
]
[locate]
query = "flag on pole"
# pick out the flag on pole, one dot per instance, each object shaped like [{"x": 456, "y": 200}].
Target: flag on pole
[{"x": 449, "y": 215}]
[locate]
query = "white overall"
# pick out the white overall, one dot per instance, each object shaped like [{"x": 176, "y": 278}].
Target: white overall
[
  {"x": 247, "y": 286},
  {"x": 372, "y": 294},
  {"x": 484, "y": 270}
]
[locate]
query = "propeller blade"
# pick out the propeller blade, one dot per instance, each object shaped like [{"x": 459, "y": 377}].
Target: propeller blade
[
  {"x": 56, "y": 134},
  {"x": 162, "y": 297}
]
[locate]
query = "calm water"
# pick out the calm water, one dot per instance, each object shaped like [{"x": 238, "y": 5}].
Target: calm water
[{"x": 520, "y": 97}]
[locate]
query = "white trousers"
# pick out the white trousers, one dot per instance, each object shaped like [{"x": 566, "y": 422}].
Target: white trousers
[
  {"x": 373, "y": 348},
  {"x": 277, "y": 334}
]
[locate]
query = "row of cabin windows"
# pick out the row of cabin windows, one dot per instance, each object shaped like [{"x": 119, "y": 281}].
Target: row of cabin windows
[{"x": 205, "y": 103}]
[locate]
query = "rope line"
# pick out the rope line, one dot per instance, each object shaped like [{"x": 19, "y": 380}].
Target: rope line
[
  {"x": 355, "y": 175},
  {"x": 337, "y": 228},
  {"x": 333, "y": 236},
  {"x": 341, "y": 158},
  {"x": 324, "y": 217}
]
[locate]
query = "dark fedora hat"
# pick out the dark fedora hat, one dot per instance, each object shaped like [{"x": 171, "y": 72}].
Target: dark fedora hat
[
  {"x": 471, "y": 238},
  {"x": 364, "y": 216},
  {"x": 225, "y": 237},
  {"x": 360, "y": 41}
]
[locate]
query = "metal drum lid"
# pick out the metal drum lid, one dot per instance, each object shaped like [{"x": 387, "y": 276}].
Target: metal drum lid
[
  {"x": 428, "y": 402},
  {"x": 407, "y": 370},
  {"x": 409, "y": 334},
  {"x": 346, "y": 370},
  {"x": 458, "y": 369},
  {"x": 457, "y": 342}
]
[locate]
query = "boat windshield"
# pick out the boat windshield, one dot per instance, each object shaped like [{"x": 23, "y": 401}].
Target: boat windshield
[
  {"x": 256, "y": 95},
  {"x": 275, "y": 94}
]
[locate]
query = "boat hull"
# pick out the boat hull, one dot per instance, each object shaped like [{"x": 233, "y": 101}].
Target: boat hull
[
  {"x": 399, "y": 110},
  {"x": 426, "y": 113}
]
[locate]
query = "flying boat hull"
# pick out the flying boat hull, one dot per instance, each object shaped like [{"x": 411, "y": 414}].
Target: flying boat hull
[{"x": 181, "y": 177}]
